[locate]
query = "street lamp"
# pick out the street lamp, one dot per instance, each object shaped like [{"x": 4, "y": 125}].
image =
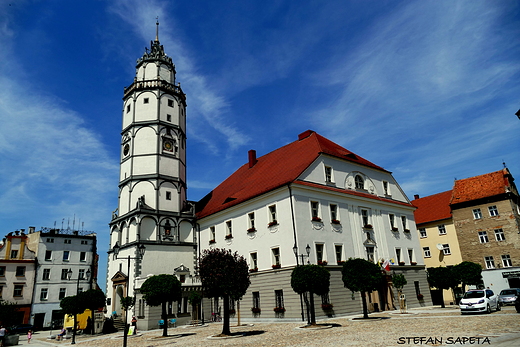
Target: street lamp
[
  {"x": 308, "y": 250},
  {"x": 85, "y": 277},
  {"x": 140, "y": 251}
]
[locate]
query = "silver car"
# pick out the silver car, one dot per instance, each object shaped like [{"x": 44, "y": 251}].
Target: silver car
[
  {"x": 479, "y": 300},
  {"x": 508, "y": 296}
]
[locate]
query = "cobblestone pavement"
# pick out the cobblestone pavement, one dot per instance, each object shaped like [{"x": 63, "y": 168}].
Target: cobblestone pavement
[{"x": 431, "y": 326}]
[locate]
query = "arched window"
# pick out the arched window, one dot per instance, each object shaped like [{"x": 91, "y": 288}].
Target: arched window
[{"x": 360, "y": 183}]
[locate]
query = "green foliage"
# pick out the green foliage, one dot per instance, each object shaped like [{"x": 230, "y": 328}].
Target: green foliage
[
  {"x": 442, "y": 277},
  {"x": 399, "y": 281},
  {"x": 468, "y": 273},
  {"x": 127, "y": 302},
  {"x": 360, "y": 275},
  {"x": 93, "y": 299},
  {"x": 72, "y": 305},
  {"x": 161, "y": 289},
  {"x": 7, "y": 313},
  {"x": 194, "y": 298},
  {"x": 223, "y": 273},
  {"x": 310, "y": 278}
]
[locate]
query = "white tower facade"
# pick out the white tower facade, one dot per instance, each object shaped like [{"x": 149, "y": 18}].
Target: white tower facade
[{"x": 153, "y": 210}]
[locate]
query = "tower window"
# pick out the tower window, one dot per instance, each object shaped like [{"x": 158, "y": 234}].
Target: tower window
[
  {"x": 168, "y": 195},
  {"x": 170, "y": 102},
  {"x": 127, "y": 108},
  {"x": 146, "y": 101},
  {"x": 169, "y": 117}
]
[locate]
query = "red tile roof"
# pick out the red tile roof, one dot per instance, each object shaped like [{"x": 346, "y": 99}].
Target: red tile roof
[
  {"x": 432, "y": 208},
  {"x": 273, "y": 170},
  {"x": 479, "y": 187}
]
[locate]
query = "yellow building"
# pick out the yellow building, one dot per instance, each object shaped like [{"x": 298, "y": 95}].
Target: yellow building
[{"x": 437, "y": 236}]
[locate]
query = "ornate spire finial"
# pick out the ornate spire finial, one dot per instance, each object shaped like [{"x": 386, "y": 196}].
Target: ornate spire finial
[{"x": 157, "y": 29}]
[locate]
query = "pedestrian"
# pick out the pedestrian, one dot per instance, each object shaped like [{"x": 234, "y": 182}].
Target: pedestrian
[
  {"x": 61, "y": 334},
  {"x": 2, "y": 335},
  {"x": 29, "y": 336},
  {"x": 134, "y": 324}
]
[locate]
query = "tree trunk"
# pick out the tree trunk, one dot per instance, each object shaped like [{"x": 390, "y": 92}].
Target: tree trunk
[
  {"x": 313, "y": 315},
  {"x": 165, "y": 319},
  {"x": 442, "y": 298},
  {"x": 225, "y": 324},
  {"x": 365, "y": 308},
  {"x": 307, "y": 307}
]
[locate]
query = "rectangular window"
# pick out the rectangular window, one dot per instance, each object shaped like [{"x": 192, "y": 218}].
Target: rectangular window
[
  {"x": 67, "y": 241},
  {"x": 170, "y": 102},
  {"x": 251, "y": 220},
  {"x": 392, "y": 221},
  {"x": 229, "y": 228},
  {"x": 398, "y": 254},
  {"x": 63, "y": 293},
  {"x": 370, "y": 254},
  {"x": 81, "y": 274},
  {"x": 328, "y": 174},
  {"x": 493, "y": 211},
  {"x": 477, "y": 213},
  {"x": 446, "y": 249},
  {"x": 146, "y": 100},
  {"x": 410, "y": 255},
  {"x": 422, "y": 232},
  {"x": 276, "y": 256},
  {"x": 334, "y": 213},
  {"x": 403, "y": 222},
  {"x": 127, "y": 108},
  {"x": 506, "y": 260},
  {"x": 442, "y": 229},
  {"x": 339, "y": 253},
  {"x": 385, "y": 188},
  {"x": 168, "y": 195},
  {"x": 84, "y": 242},
  {"x": 499, "y": 235},
  {"x": 20, "y": 271},
  {"x": 256, "y": 299},
  {"x": 278, "y": 295},
  {"x": 83, "y": 256},
  {"x": 254, "y": 261},
  {"x": 48, "y": 255},
  {"x": 211, "y": 234},
  {"x": 426, "y": 252},
  {"x": 272, "y": 215},
  {"x": 46, "y": 274},
  {"x": 44, "y": 294},
  {"x": 2, "y": 271},
  {"x": 14, "y": 254},
  {"x": 66, "y": 255},
  {"x": 50, "y": 240},
  {"x": 482, "y": 236},
  {"x": 64, "y": 274},
  {"x": 319, "y": 252},
  {"x": 169, "y": 117},
  {"x": 490, "y": 262},
  {"x": 315, "y": 210},
  {"x": 18, "y": 290},
  {"x": 364, "y": 217}
]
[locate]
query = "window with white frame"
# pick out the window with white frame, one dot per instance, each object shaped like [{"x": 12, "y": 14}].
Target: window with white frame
[
  {"x": 44, "y": 294},
  {"x": 319, "y": 252},
  {"x": 50, "y": 240},
  {"x": 46, "y": 274},
  {"x": 422, "y": 232},
  {"x": 67, "y": 241},
  {"x": 14, "y": 253},
  {"x": 272, "y": 215},
  {"x": 66, "y": 255},
  {"x": 64, "y": 274},
  {"x": 334, "y": 213},
  {"x": 364, "y": 217},
  {"x": 483, "y": 237},
  {"x": 315, "y": 210},
  {"x": 212, "y": 234},
  {"x": 18, "y": 290},
  {"x": 477, "y": 213},
  {"x": 276, "y": 256},
  {"x": 442, "y": 229},
  {"x": 410, "y": 255},
  {"x": 386, "y": 188},
  {"x": 251, "y": 221},
  {"x": 398, "y": 254},
  {"x": 328, "y": 174},
  {"x": 446, "y": 249},
  {"x": 254, "y": 261},
  {"x": 20, "y": 271},
  {"x": 63, "y": 293},
  {"x": 83, "y": 256},
  {"x": 426, "y": 252},
  {"x": 81, "y": 274},
  {"x": 499, "y": 235},
  {"x": 370, "y": 254},
  {"x": 493, "y": 211},
  {"x": 339, "y": 253},
  {"x": 506, "y": 260},
  {"x": 490, "y": 262},
  {"x": 404, "y": 223},
  {"x": 229, "y": 229},
  {"x": 359, "y": 182},
  {"x": 392, "y": 221},
  {"x": 48, "y": 255}
]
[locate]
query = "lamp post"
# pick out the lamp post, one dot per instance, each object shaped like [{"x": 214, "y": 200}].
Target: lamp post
[
  {"x": 86, "y": 277},
  {"x": 140, "y": 251},
  {"x": 308, "y": 250}
]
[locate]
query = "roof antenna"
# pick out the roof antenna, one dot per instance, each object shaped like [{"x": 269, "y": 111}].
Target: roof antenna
[
  {"x": 504, "y": 163},
  {"x": 157, "y": 29}
]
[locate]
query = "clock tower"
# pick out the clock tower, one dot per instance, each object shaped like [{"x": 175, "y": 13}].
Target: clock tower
[{"x": 153, "y": 210}]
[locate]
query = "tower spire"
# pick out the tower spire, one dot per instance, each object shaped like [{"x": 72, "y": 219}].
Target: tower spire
[{"x": 157, "y": 29}]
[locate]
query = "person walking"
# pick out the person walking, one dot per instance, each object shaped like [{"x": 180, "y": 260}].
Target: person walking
[
  {"x": 2, "y": 335},
  {"x": 134, "y": 324},
  {"x": 29, "y": 336}
]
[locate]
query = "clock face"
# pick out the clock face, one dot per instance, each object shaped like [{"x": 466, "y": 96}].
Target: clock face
[
  {"x": 126, "y": 149},
  {"x": 168, "y": 145}
]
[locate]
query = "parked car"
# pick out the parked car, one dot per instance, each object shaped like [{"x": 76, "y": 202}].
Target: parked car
[
  {"x": 479, "y": 300},
  {"x": 508, "y": 296},
  {"x": 21, "y": 329},
  {"x": 517, "y": 304}
]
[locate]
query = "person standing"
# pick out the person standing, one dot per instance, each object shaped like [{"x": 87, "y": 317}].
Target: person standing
[
  {"x": 2, "y": 335},
  {"x": 134, "y": 324},
  {"x": 29, "y": 336}
]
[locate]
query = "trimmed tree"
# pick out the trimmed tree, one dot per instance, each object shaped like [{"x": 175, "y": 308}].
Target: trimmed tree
[
  {"x": 399, "y": 281},
  {"x": 73, "y": 305},
  {"x": 159, "y": 290},
  {"x": 442, "y": 278},
  {"x": 362, "y": 276},
  {"x": 468, "y": 273},
  {"x": 7, "y": 313},
  {"x": 310, "y": 278},
  {"x": 224, "y": 275},
  {"x": 93, "y": 300}
]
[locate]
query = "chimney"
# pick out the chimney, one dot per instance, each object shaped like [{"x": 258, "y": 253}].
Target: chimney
[
  {"x": 416, "y": 196},
  {"x": 252, "y": 158},
  {"x": 31, "y": 230}
]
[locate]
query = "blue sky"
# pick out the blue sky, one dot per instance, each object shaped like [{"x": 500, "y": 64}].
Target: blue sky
[{"x": 426, "y": 89}]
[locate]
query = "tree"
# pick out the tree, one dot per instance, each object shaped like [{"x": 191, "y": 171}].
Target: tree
[
  {"x": 93, "y": 300},
  {"x": 73, "y": 305},
  {"x": 442, "y": 278},
  {"x": 226, "y": 275},
  {"x": 468, "y": 273},
  {"x": 310, "y": 278},
  {"x": 7, "y": 313},
  {"x": 399, "y": 281},
  {"x": 194, "y": 299},
  {"x": 362, "y": 276},
  {"x": 159, "y": 290}
]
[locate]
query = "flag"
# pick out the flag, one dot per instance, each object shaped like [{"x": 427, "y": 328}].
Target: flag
[{"x": 386, "y": 265}]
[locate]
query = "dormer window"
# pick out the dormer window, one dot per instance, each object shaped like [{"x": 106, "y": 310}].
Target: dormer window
[
  {"x": 360, "y": 182},
  {"x": 328, "y": 174},
  {"x": 385, "y": 188}
]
